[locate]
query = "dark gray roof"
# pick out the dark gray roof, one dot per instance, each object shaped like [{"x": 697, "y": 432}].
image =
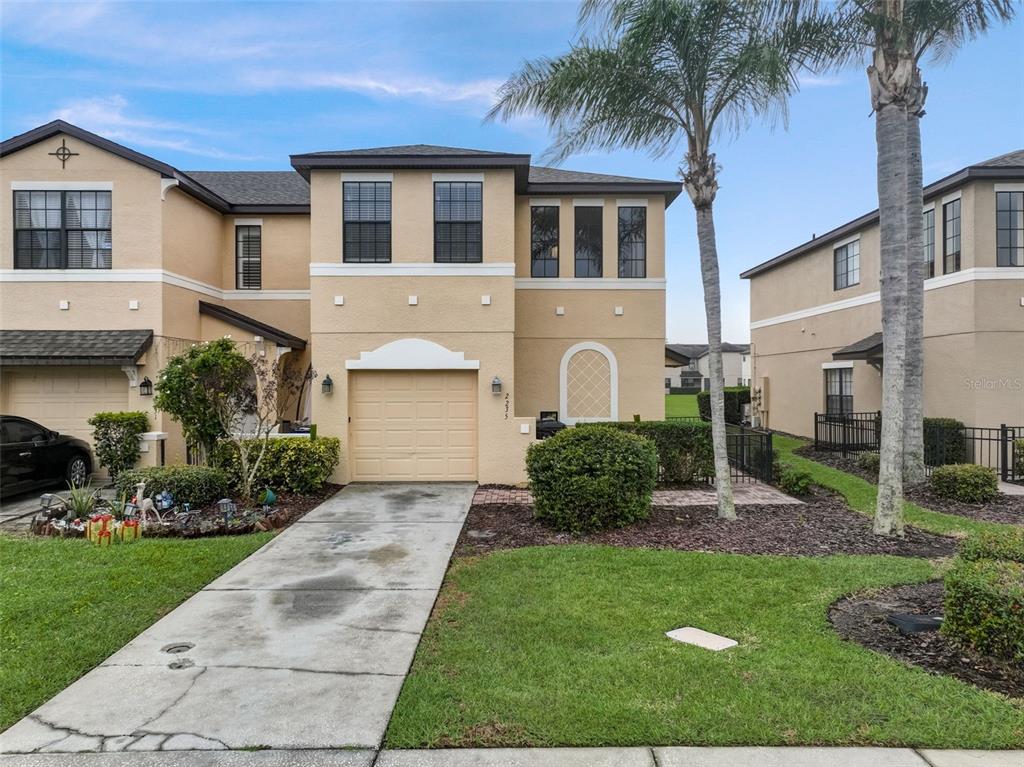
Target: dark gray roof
[
  {"x": 696, "y": 351},
  {"x": 408, "y": 150},
  {"x": 73, "y": 347},
  {"x": 1009, "y": 165},
  {"x": 255, "y": 187},
  {"x": 254, "y": 326},
  {"x": 542, "y": 175},
  {"x": 865, "y": 348}
]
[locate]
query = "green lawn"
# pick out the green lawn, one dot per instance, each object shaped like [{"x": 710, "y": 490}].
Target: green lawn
[
  {"x": 677, "y": 405},
  {"x": 66, "y": 605},
  {"x": 861, "y": 494},
  {"x": 565, "y": 646}
]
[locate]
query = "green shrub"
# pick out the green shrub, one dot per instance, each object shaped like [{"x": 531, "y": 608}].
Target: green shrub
[
  {"x": 685, "y": 452},
  {"x": 995, "y": 544},
  {"x": 196, "y": 485},
  {"x": 115, "y": 439},
  {"x": 794, "y": 481},
  {"x": 869, "y": 462},
  {"x": 735, "y": 398},
  {"x": 944, "y": 441},
  {"x": 592, "y": 478},
  {"x": 984, "y": 606},
  {"x": 966, "y": 482},
  {"x": 293, "y": 464},
  {"x": 1018, "y": 459}
]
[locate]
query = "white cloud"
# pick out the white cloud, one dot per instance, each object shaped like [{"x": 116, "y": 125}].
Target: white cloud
[
  {"x": 380, "y": 85},
  {"x": 818, "y": 81}
]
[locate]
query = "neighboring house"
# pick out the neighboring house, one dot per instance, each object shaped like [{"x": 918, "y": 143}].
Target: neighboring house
[
  {"x": 449, "y": 295},
  {"x": 816, "y": 317},
  {"x": 687, "y": 366}
]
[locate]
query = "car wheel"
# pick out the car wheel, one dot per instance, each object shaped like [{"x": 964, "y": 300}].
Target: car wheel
[{"x": 78, "y": 470}]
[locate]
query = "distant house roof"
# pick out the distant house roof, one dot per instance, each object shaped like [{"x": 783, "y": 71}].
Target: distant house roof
[
  {"x": 696, "y": 351},
  {"x": 73, "y": 347},
  {"x": 254, "y": 326},
  {"x": 1009, "y": 165},
  {"x": 864, "y": 349}
]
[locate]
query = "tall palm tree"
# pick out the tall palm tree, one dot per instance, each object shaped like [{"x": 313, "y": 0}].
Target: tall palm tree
[{"x": 656, "y": 73}]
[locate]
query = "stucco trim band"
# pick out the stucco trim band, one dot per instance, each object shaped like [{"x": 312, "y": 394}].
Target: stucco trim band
[
  {"x": 321, "y": 269},
  {"x": 588, "y": 283}
]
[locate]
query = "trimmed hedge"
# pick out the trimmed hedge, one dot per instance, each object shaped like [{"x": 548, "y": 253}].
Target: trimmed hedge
[
  {"x": 944, "y": 441},
  {"x": 685, "y": 452},
  {"x": 294, "y": 464},
  {"x": 115, "y": 439},
  {"x": 984, "y": 606},
  {"x": 1018, "y": 459},
  {"x": 735, "y": 398},
  {"x": 591, "y": 478},
  {"x": 196, "y": 485},
  {"x": 995, "y": 544},
  {"x": 966, "y": 482},
  {"x": 869, "y": 462}
]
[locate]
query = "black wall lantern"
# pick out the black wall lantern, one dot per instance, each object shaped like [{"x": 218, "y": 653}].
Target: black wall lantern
[
  {"x": 146, "y": 387},
  {"x": 327, "y": 385},
  {"x": 495, "y": 385}
]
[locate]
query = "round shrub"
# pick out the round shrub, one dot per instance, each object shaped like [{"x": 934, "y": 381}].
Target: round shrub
[
  {"x": 794, "y": 481},
  {"x": 294, "y": 464},
  {"x": 869, "y": 462},
  {"x": 995, "y": 544},
  {"x": 195, "y": 485},
  {"x": 965, "y": 482},
  {"x": 592, "y": 478},
  {"x": 685, "y": 452},
  {"x": 115, "y": 439},
  {"x": 984, "y": 607}
]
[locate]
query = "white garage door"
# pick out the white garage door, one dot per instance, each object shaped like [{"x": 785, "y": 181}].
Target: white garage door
[
  {"x": 64, "y": 398},
  {"x": 413, "y": 425}
]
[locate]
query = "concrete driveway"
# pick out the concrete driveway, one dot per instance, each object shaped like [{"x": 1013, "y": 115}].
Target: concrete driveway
[{"x": 304, "y": 645}]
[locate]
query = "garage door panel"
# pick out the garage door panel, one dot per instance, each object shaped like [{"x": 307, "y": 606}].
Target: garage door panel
[
  {"x": 65, "y": 398},
  {"x": 424, "y": 422}
]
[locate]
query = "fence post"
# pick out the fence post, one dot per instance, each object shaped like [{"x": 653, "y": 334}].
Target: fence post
[
  {"x": 815, "y": 429},
  {"x": 769, "y": 459},
  {"x": 1004, "y": 452}
]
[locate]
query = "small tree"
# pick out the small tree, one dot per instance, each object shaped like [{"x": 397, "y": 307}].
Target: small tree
[{"x": 116, "y": 439}]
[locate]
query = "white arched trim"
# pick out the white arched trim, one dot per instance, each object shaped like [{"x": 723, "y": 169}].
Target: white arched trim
[
  {"x": 412, "y": 354},
  {"x": 563, "y": 381}
]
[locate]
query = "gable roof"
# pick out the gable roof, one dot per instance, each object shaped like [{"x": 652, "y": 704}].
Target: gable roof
[
  {"x": 410, "y": 150},
  {"x": 254, "y": 326},
  {"x": 1009, "y": 165},
  {"x": 73, "y": 347},
  {"x": 696, "y": 351},
  {"x": 241, "y": 188}
]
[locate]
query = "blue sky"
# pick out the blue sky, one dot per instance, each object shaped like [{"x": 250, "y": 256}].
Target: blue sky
[{"x": 220, "y": 85}]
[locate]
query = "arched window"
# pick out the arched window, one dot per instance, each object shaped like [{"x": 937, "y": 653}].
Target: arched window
[{"x": 588, "y": 384}]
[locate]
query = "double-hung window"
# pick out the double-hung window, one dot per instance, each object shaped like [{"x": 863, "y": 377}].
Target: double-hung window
[
  {"x": 367, "y": 222},
  {"x": 589, "y": 245},
  {"x": 951, "y": 237},
  {"x": 458, "y": 222},
  {"x": 248, "y": 257},
  {"x": 62, "y": 229},
  {"x": 928, "y": 224},
  {"x": 632, "y": 241},
  {"x": 1009, "y": 228},
  {"x": 839, "y": 391},
  {"x": 846, "y": 265},
  {"x": 544, "y": 241}
]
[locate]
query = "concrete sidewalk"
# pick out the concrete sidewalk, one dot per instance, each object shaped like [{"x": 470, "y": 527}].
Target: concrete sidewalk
[
  {"x": 304, "y": 645},
  {"x": 539, "y": 757}
]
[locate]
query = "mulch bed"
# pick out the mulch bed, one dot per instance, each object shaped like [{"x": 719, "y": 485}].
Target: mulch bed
[
  {"x": 823, "y": 525},
  {"x": 1007, "y": 509},
  {"x": 861, "y": 618}
]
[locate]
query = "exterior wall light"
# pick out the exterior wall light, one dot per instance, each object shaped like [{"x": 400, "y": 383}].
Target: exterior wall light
[
  {"x": 327, "y": 386},
  {"x": 146, "y": 387},
  {"x": 495, "y": 385}
]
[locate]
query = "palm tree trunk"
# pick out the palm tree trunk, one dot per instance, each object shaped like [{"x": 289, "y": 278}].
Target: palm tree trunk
[
  {"x": 713, "y": 311},
  {"x": 913, "y": 390},
  {"x": 891, "y": 139}
]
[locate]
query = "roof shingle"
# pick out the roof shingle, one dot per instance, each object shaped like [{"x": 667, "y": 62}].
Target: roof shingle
[
  {"x": 73, "y": 347},
  {"x": 255, "y": 187}
]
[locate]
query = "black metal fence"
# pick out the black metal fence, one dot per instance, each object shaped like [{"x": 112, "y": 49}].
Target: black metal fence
[
  {"x": 847, "y": 433},
  {"x": 750, "y": 450}
]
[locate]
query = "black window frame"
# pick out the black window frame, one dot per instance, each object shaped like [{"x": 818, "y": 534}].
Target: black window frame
[
  {"x": 928, "y": 244},
  {"x": 366, "y": 223},
  {"x": 951, "y": 233},
  {"x": 454, "y": 232},
  {"x": 244, "y": 261},
  {"x": 544, "y": 241},
  {"x": 628, "y": 249},
  {"x": 1013, "y": 228},
  {"x": 847, "y": 276},
  {"x": 843, "y": 398},
  {"x": 588, "y": 241},
  {"x": 60, "y": 231}
]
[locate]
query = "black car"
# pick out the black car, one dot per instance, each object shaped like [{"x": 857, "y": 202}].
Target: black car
[{"x": 33, "y": 456}]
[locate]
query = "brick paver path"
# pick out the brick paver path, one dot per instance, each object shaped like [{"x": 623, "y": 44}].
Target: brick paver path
[{"x": 744, "y": 494}]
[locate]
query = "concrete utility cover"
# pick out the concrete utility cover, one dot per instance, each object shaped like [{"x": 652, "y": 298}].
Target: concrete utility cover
[{"x": 701, "y": 638}]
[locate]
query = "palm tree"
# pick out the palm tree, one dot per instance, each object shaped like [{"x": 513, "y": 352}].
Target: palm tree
[
  {"x": 897, "y": 34},
  {"x": 656, "y": 73}
]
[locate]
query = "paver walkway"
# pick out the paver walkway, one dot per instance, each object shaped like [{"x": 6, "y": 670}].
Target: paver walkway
[
  {"x": 304, "y": 645},
  {"x": 744, "y": 494}
]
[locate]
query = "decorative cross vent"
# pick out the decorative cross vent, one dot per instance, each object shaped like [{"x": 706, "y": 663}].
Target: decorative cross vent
[{"x": 62, "y": 153}]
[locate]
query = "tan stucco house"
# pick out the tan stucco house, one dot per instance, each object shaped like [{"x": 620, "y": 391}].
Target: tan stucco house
[
  {"x": 450, "y": 295},
  {"x": 815, "y": 316}
]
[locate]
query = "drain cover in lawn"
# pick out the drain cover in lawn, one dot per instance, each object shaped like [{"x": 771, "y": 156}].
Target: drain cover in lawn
[
  {"x": 915, "y": 624},
  {"x": 701, "y": 638}
]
